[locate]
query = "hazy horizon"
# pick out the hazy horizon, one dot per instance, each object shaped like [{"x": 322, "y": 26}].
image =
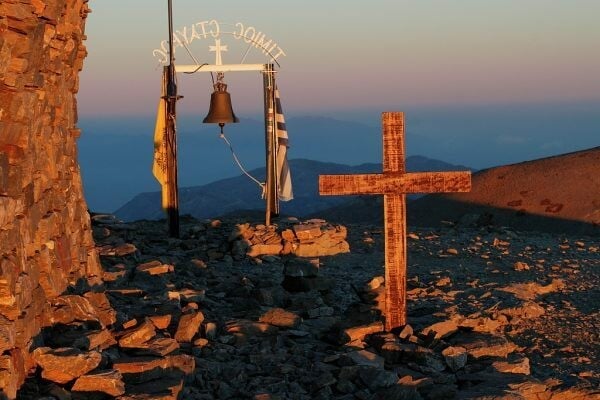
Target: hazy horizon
[{"x": 115, "y": 152}]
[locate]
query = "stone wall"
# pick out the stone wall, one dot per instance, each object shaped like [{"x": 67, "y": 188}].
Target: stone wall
[{"x": 45, "y": 236}]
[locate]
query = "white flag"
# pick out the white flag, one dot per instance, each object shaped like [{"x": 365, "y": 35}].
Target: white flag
[{"x": 284, "y": 177}]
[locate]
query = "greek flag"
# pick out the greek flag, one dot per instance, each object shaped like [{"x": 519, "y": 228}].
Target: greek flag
[{"x": 284, "y": 177}]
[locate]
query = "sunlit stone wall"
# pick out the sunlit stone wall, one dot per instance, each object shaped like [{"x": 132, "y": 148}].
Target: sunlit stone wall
[{"x": 45, "y": 235}]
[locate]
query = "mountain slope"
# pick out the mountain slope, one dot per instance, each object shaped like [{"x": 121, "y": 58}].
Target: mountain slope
[
  {"x": 550, "y": 194},
  {"x": 239, "y": 193}
]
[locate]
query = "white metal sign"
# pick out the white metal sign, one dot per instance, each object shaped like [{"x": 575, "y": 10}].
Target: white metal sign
[{"x": 213, "y": 31}]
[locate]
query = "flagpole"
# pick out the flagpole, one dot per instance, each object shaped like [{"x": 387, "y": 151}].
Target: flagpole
[
  {"x": 274, "y": 143},
  {"x": 270, "y": 190},
  {"x": 171, "y": 136}
]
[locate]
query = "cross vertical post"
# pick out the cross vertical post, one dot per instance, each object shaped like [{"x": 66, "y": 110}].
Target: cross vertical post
[{"x": 394, "y": 210}]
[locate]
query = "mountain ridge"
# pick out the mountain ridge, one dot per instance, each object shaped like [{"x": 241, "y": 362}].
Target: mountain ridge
[{"x": 239, "y": 193}]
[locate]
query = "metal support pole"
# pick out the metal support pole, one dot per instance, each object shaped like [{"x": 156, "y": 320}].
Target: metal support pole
[
  {"x": 270, "y": 142},
  {"x": 171, "y": 136},
  {"x": 274, "y": 148}
]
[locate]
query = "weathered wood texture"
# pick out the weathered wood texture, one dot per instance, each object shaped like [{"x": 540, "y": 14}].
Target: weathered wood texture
[
  {"x": 45, "y": 234},
  {"x": 412, "y": 182},
  {"x": 394, "y": 221},
  {"x": 393, "y": 184}
]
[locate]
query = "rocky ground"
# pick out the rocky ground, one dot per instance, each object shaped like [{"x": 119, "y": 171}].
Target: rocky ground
[{"x": 493, "y": 314}]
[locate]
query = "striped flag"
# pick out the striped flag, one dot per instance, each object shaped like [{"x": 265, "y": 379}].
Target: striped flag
[
  {"x": 284, "y": 177},
  {"x": 159, "y": 166}
]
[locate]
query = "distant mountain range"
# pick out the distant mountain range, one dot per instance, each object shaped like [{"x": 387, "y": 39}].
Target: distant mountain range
[
  {"x": 116, "y": 156},
  {"x": 233, "y": 194},
  {"x": 115, "y": 153}
]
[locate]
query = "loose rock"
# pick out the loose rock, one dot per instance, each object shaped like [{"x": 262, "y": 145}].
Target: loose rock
[
  {"x": 281, "y": 318},
  {"x": 188, "y": 326},
  {"x": 109, "y": 382},
  {"x": 65, "y": 364}
]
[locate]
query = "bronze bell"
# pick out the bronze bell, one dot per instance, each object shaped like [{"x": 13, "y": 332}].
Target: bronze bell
[{"x": 220, "y": 110}]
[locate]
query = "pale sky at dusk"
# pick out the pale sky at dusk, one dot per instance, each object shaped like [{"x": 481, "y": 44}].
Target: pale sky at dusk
[
  {"x": 482, "y": 82},
  {"x": 345, "y": 55}
]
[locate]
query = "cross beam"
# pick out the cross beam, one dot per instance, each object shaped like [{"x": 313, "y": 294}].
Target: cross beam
[
  {"x": 394, "y": 183},
  {"x": 391, "y": 183}
]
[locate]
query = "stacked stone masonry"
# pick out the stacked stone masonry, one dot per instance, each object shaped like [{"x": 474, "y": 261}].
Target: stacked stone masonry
[{"x": 45, "y": 237}]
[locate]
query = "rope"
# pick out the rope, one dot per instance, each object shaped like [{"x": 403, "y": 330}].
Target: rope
[{"x": 262, "y": 185}]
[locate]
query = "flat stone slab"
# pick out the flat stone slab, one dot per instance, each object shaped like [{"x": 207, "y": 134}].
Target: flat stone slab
[
  {"x": 188, "y": 326},
  {"x": 155, "y": 268},
  {"x": 281, "y": 318},
  {"x": 139, "y": 335},
  {"x": 65, "y": 364},
  {"x": 109, "y": 382}
]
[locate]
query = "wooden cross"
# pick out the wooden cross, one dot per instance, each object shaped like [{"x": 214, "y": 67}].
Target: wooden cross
[{"x": 394, "y": 183}]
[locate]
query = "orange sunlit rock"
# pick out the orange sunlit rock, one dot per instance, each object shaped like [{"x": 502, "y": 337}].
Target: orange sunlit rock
[{"x": 43, "y": 215}]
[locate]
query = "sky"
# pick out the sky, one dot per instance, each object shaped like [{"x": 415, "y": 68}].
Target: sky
[
  {"x": 353, "y": 55},
  {"x": 482, "y": 82}
]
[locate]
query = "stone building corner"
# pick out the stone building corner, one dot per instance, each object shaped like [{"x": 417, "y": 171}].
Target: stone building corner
[{"x": 45, "y": 235}]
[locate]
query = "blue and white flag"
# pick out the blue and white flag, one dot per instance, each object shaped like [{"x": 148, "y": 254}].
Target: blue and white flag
[{"x": 284, "y": 177}]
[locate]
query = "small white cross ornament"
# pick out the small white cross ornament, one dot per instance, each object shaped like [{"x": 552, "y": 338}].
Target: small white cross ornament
[{"x": 218, "y": 48}]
